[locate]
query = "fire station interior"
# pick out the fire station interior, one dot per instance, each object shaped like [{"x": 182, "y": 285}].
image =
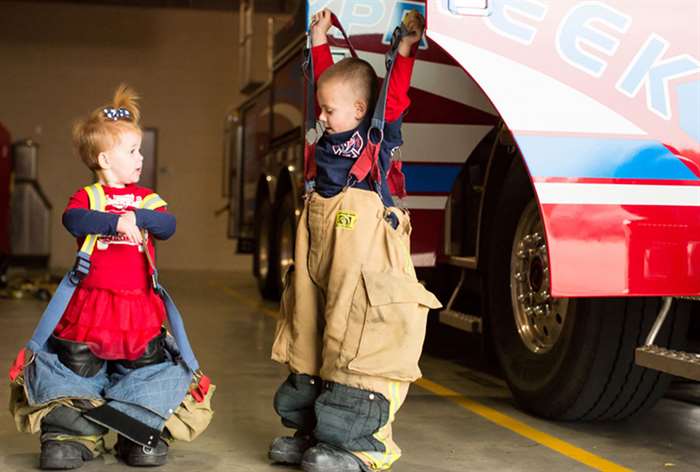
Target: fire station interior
[{"x": 199, "y": 66}]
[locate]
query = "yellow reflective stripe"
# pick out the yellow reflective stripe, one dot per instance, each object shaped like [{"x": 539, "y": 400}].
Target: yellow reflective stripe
[
  {"x": 391, "y": 454},
  {"x": 101, "y": 197},
  {"x": 98, "y": 202},
  {"x": 91, "y": 196},
  {"x": 66, "y": 437},
  {"x": 152, "y": 201},
  {"x": 367, "y": 458},
  {"x": 393, "y": 405},
  {"x": 89, "y": 244},
  {"x": 96, "y": 195},
  {"x": 384, "y": 460}
]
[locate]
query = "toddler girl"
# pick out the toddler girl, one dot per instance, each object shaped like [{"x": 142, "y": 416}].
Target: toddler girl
[{"x": 107, "y": 363}]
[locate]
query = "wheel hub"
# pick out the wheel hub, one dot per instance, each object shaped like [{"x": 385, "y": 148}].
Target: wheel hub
[{"x": 539, "y": 318}]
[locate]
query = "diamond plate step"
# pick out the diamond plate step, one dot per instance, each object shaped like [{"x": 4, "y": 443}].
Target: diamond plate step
[
  {"x": 679, "y": 363},
  {"x": 459, "y": 320}
]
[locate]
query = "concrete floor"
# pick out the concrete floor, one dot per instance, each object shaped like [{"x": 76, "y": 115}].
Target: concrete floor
[{"x": 231, "y": 331}]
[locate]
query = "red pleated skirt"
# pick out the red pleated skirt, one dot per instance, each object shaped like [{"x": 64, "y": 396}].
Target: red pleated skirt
[{"x": 115, "y": 324}]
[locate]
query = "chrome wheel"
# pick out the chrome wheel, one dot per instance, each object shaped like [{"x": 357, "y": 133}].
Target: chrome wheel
[{"x": 539, "y": 318}]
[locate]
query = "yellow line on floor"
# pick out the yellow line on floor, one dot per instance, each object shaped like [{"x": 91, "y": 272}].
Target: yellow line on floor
[
  {"x": 258, "y": 305},
  {"x": 495, "y": 416},
  {"x": 518, "y": 427}
]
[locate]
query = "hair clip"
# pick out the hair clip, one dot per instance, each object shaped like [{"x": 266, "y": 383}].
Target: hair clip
[{"x": 115, "y": 114}]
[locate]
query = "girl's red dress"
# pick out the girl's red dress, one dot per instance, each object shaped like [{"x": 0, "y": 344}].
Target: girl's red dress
[{"x": 114, "y": 310}]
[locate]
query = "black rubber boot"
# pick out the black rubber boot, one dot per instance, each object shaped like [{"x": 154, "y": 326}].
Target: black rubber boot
[
  {"x": 290, "y": 449},
  {"x": 326, "y": 458},
  {"x": 136, "y": 455},
  {"x": 63, "y": 455}
]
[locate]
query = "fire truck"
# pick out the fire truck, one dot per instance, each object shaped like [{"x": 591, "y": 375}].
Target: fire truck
[{"x": 552, "y": 162}]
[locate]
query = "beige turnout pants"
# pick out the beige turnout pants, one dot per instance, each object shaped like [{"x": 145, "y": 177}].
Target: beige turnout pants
[{"x": 353, "y": 312}]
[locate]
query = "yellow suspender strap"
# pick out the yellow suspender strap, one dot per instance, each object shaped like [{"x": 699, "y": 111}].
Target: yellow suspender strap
[
  {"x": 152, "y": 202},
  {"x": 98, "y": 202}
]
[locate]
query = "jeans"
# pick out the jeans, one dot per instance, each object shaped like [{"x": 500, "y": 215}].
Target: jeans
[{"x": 148, "y": 394}]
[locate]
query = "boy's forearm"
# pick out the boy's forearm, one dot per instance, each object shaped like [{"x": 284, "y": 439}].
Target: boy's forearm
[
  {"x": 322, "y": 59},
  {"x": 318, "y": 38},
  {"x": 407, "y": 50},
  {"x": 397, "y": 100}
]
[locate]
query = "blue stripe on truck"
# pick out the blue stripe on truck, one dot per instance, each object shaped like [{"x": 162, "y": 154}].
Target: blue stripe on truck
[
  {"x": 596, "y": 157},
  {"x": 430, "y": 178}
]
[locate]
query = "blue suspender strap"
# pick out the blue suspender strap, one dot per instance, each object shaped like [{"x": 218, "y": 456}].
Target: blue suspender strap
[
  {"x": 57, "y": 306},
  {"x": 311, "y": 134},
  {"x": 178, "y": 331},
  {"x": 379, "y": 109},
  {"x": 308, "y": 69},
  {"x": 174, "y": 317}
]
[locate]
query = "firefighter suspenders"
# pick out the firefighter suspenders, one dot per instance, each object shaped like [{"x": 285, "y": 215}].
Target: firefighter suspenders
[
  {"x": 368, "y": 161},
  {"x": 64, "y": 292}
]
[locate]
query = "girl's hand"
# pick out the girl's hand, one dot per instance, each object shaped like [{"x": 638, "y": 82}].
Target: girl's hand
[
  {"x": 320, "y": 24},
  {"x": 415, "y": 23},
  {"x": 127, "y": 226}
]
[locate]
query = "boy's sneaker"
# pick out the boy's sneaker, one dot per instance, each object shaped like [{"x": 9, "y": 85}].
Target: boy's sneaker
[
  {"x": 63, "y": 455},
  {"x": 136, "y": 455},
  {"x": 326, "y": 458},
  {"x": 290, "y": 449}
]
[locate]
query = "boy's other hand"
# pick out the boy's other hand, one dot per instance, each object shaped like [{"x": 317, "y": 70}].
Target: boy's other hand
[
  {"x": 415, "y": 24},
  {"x": 320, "y": 24}
]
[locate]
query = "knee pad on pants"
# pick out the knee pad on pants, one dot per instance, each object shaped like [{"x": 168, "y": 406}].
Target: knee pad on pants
[
  {"x": 69, "y": 421},
  {"x": 294, "y": 401},
  {"x": 153, "y": 354},
  {"x": 76, "y": 356},
  {"x": 348, "y": 417}
]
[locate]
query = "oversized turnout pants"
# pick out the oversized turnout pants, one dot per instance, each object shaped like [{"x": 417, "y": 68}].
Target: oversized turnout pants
[
  {"x": 352, "y": 325},
  {"x": 73, "y": 396}
]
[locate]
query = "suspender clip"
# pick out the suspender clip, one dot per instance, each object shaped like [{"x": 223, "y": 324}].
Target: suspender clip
[
  {"x": 155, "y": 283},
  {"x": 309, "y": 186},
  {"x": 80, "y": 269}
]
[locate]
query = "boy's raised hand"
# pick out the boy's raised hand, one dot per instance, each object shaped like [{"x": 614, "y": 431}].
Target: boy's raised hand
[
  {"x": 320, "y": 24},
  {"x": 415, "y": 24}
]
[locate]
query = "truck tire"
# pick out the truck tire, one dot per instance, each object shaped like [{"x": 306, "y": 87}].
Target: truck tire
[
  {"x": 286, "y": 228},
  {"x": 263, "y": 253},
  {"x": 566, "y": 359}
]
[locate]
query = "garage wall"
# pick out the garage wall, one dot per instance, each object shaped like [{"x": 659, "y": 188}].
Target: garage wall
[{"x": 60, "y": 61}]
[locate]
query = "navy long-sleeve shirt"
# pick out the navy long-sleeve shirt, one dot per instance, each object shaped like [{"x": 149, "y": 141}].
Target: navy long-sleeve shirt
[
  {"x": 81, "y": 222},
  {"x": 337, "y": 153}
]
